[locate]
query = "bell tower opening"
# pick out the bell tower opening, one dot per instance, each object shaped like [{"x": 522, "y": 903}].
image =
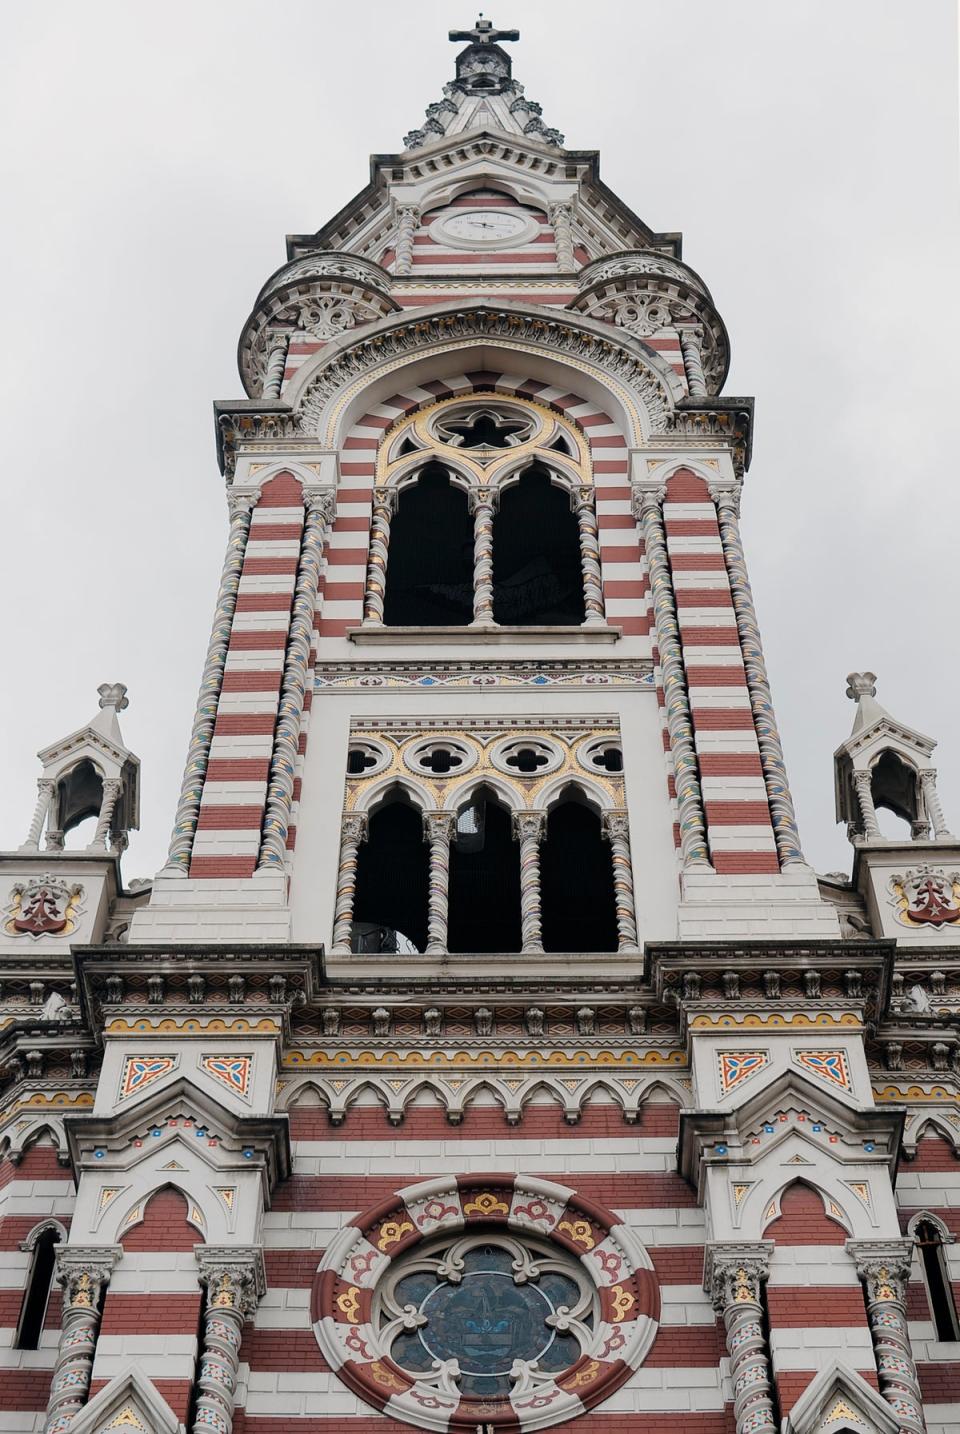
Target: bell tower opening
[
  {"x": 390, "y": 908},
  {"x": 484, "y": 878},
  {"x": 429, "y": 579},
  {"x": 537, "y": 580},
  {"x": 576, "y": 880}
]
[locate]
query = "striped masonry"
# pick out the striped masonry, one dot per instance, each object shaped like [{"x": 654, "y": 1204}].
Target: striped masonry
[
  {"x": 625, "y": 585},
  {"x": 739, "y": 828},
  {"x": 930, "y": 1185},
  {"x": 535, "y": 255},
  {"x": 234, "y": 793},
  {"x": 814, "y": 1298}
]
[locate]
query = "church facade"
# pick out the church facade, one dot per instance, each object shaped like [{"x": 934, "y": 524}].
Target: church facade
[{"x": 486, "y": 1056}]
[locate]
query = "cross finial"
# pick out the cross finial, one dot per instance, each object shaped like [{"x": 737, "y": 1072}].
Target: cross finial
[{"x": 483, "y": 33}]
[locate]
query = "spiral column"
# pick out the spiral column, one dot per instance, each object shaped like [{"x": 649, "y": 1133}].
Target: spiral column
[
  {"x": 884, "y": 1268},
  {"x": 384, "y": 507},
  {"x": 863, "y": 786},
  {"x": 83, "y": 1271},
  {"x": 234, "y": 1282},
  {"x": 931, "y": 801},
  {"x": 191, "y": 789},
  {"x": 691, "y": 347},
  {"x": 583, "y": 504},
  {"x": 276, "y": 364},
  {"x": 735, "y": 1274},
  {"x": 561, "y": 217},
  {"x": 408, "y": 217},
  {"x": 529, "y": 828},
  {"x": 648, "y": 506},
  {"x": 353, "y": 831},
  {"x": 616, "y": 829},
  {"x": 286, "y": 741},
  {"x": 483, "y": 503},
  {"x": 774, "y": 768},
  {"x": 111, "y": 794},
  {"x": 438, "y": 830},
  {"x": 46, "y": 786}
]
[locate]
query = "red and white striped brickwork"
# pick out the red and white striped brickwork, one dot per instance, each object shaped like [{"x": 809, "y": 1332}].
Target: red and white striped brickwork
[
  {"x": 234, "y": 792},
  {"x": 739, "y": 828},
  {"x": 624, "y": 581},
  {"x": 930, "y": 1184}
]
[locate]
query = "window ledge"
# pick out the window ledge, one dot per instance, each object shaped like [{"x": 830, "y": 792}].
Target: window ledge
[{"x": 373, "y": 635}]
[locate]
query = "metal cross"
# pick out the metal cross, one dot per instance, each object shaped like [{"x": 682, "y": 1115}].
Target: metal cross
[{"x": 483, "y": 33}]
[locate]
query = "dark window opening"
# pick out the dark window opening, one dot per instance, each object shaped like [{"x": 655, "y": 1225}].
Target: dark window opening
[
  {"x": 939, "y": 1291},
  {"x": 576, "y": 882},
  {"x": 484, "y": 879},
  {"x": 79, "y": 796},
  {"x": 893, "y": 785},
  {"x": 430, "y": 559},
  {"x": 765, "y": 1331},
  {"x": 406, "y": 447},
  {"x": 527, "y": 759},
  {"x": 537, "y": 580},
  {"x": 390, "y": 905},
  {"x": 36, "y": 1297},
  {"x": 441, "y": 761},
  {"x": 561, "y": 445},
  {"x": 358, "y": 761},
  {"x": 610, "y": 759}
]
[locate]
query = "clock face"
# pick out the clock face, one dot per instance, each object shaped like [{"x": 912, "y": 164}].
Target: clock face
[{"x": 483, "y": 228}]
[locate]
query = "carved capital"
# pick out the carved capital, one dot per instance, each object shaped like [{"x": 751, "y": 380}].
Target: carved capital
[
  {"x": 320, "y": 503},
  {"x": 582, "y": 497},
  {"x": 234, "y": 1277},
  {"x": 241, "y": 505},
  {"x": 83, "y": 1270},
  {"x": 648, "y": 500},
  {"x": 483, "y": 497},
  {"x": 734, "y": 1272},
  {"x": 884, "y": 1267},
  {"x": 529, "y": 826},
  {"x": 726, "y": 496},
  {"x": 615, "y": 825},
  {"x": 354, "y": 827},
  {"x": 386, "y": 500},
  {"x": 439, "y": 826}
]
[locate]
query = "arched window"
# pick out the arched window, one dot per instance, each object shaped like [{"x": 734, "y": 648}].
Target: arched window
[
  {"x": 390, "y": 906},
  {"x": 576, "y": 881},
  {"x": 537, "y": 577},
  {"x": 936, "y": 1277},
  {"x": 37, "y": 1294},
  {"x": 429, "y": 580},
  {"x": 484, "y": 909},
  {"x": 893, "y": 786}
]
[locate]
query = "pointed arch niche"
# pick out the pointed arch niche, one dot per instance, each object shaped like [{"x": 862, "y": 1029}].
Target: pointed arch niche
[{"x": 390, "y": 905}]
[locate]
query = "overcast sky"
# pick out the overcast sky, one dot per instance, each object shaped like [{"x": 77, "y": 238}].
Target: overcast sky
[{"x": 154, "y": 157}]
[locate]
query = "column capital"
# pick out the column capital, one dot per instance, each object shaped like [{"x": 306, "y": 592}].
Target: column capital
[
  {"x": 884, "y": 1267},
  {"x": 726, "y": 495},
  {"x": 439, "y": 826},
  {"x": 355, "y": 827},
  {"x": 234, "y": 1277},
  {"x": 241, "y": 505},
  {"x": 529, "y": 826},
  {"x": 648, "y": 498},
  {"x": 582, "y": 496},
  {"x": 83, "y": 1270},
  {"x": 320, "y": 503},
  {"x": 46, "y": 784},
  {"x": 485, "y": 495},
  {"x": 615, "y": 824},
  {"x": 734, "y": 1271},
  {"x": 386, "y": 498}
]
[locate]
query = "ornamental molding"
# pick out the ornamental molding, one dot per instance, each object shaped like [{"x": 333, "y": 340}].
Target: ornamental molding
[{"x": 734, "y": 1271}]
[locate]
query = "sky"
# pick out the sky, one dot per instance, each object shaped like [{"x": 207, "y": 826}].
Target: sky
[{"x": 153, "y": 158}]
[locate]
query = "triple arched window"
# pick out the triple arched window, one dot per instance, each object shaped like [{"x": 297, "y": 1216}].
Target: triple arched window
[{"x": 484, "y": 515}]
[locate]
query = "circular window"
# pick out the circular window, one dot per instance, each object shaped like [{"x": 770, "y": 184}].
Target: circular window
[
  {"x": 526, "y": 757},
  {"x": 604, "y": 755},
  {"x": 366, "y": 759},
  {"x": 440, "y": 758},
  {"x": 508, "y": 1301}
]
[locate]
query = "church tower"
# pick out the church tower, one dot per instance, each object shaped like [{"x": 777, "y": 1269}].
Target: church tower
[{"x": 486, "y": 1056}]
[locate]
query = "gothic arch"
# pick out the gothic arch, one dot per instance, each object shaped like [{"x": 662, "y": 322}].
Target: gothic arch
[
  {"x": 30, "y": 1240},
  {"x": 833, "y": 1210},
  {"x": 930, "y": 1122},
  {"x": 591, "y": 794},
  {"x": 926, "y": 1217},
  {"x": 137, "y": 1210},
  {"x": 290, "y": 1097},
  {"x": 393, "y": 787}
]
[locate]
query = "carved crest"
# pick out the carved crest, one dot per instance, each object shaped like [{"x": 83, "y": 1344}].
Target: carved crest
[
  {"x": 44, "y": 906},
  {"x": 926, "y": 896}
]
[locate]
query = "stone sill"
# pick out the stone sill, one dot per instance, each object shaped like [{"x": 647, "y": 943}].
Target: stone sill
[
  {"x": 483, "y": 968},
  {"x": 376, "y": 636}
]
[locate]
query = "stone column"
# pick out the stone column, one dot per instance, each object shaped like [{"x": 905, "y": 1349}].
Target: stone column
[
  {"x": 235, "y": 1282},
  {"x": 561, "y": 217},
  {"x": 734, "y": 1275},
  {"x": 278, "y": 344},
  {"x": 648, "y": 507},
  {"x": 931, "y": 801},
  {"x": 774, "y": 768},
  {"x": 884, "y": 1268},
  {"x": 582, "y": 501},
  {"x": 191, "y": 790},
  {"x": 353, "y": 831},
  {"x": 438, "y": 830},
  {"x": 617, "y": 832},
  {"x": 46, "y": 786},
  {"x": 691, "y": 346},
  {"x": 384, "y": 506},
  {"x": 273, "y": 846},
  {"x": 529, "y": 828},
  {"x": 111, "y": 795},
  {"x": 84, "y": 1271},
  {"x": 408, "y": 217},
  {"x": 862, "y": 782},
  {"x": 483, "y": 505}
]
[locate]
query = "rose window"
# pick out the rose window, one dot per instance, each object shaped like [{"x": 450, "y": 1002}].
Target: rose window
[
  {"x": 490, "y": 1310},
  {"x": 504, "y": 1302}
]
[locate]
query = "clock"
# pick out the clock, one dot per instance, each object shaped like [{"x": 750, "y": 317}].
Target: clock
[{"x": 482, "y": 229}]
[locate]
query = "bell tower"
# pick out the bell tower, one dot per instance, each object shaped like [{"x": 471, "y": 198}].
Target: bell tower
[{"x": 486, "y": 1051}]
